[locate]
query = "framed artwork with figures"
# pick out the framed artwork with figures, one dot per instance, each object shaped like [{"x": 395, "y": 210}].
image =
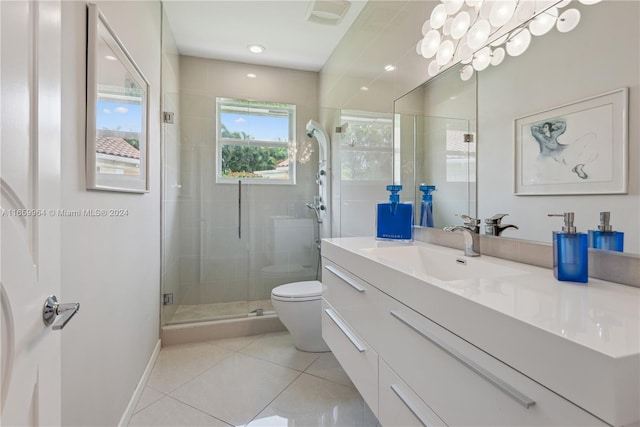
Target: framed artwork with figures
[{"x": 577, "y": 148}]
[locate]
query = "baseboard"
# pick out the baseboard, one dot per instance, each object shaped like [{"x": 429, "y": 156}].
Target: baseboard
[
  {"x": 135, "y": 398},
  {"x": 204, "y": 331}
]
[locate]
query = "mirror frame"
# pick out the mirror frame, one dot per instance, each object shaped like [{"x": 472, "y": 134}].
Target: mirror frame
[{"x": 98, "y": 28}]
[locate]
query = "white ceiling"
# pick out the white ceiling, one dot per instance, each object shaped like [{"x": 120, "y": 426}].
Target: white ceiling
[{"x": 222, "y": 29}]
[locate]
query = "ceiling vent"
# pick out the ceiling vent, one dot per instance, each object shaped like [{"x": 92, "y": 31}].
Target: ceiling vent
[{"x": 327, "y": 12}]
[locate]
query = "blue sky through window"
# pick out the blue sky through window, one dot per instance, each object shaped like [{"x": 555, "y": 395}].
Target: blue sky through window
[
  {"x": 119, "y": 116},
  {"x": 265, "y": 128}
]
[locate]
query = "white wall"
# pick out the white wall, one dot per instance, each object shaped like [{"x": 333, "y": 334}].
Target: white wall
[
  {"x": 602, "y": 54},
  {"x": 110, "y": 265}
]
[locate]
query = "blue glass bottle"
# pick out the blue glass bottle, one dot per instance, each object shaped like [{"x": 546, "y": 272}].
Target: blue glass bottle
[
  {"x": 604, "y": 237},
  {"x": 570, "y": 252},
  {"x": 394, "y": 220},
  {"x": 426, "y": 207}
]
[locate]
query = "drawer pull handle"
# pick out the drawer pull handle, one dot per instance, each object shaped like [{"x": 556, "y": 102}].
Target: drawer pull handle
[
  {"x": 344, "y": 277},
  {"x": 345, "y": 330},
  {"x": 516, "y": 395},
  {"x": 414, "y": 410}
]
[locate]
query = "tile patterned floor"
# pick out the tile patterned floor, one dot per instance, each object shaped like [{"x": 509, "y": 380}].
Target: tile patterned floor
[{"x": 258, "y": 381}]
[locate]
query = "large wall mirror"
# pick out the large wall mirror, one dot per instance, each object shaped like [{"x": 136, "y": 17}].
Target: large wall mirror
[
  {"x": 117, "y": 111},
  {"x": 601, "y": 55},
  {"x": 436, "y": 144}
]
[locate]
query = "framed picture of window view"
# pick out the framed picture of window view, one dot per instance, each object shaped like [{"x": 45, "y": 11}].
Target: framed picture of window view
[
  {"x": 577, "y": 148},
  {"x": 117, "y": 112}
]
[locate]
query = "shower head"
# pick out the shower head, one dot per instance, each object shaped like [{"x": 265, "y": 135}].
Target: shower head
[{"x": 314, "y": 130}]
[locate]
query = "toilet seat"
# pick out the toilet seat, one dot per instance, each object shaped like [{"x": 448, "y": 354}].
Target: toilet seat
[{"x": 310, "y": 290}]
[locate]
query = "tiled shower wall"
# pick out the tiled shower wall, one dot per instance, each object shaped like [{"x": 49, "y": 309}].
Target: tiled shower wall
[{"x": 217, "y": 264}]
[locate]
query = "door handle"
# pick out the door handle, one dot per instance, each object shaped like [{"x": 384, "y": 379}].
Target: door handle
[{"x": 52, "y": 309}]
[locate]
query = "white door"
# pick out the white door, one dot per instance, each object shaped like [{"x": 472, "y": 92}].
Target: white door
[{"x": 30, "y": 111}]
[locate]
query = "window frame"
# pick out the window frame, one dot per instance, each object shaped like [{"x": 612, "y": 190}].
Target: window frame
[{"x": 221, "y": 141}]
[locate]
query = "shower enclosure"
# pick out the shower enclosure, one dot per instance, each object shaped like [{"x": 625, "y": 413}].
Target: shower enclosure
[
  {"x": 226, "y": 243},
  {"x": 236, "y": 241}
]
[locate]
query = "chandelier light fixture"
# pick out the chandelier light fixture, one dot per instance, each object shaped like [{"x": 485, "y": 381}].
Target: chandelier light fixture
[{"x": 480, "y": 33}]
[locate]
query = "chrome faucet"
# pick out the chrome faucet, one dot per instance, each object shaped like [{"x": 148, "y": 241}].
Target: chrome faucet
[
  {"x": 470, "y": 240},
  {"x": 493, "y": 227},
  {"x": 471, "y": 224}
]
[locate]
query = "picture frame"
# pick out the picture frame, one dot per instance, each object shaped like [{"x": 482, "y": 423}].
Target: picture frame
[
  {"x": 117, "y": 142},
  {"x": 576, "y": 148}
]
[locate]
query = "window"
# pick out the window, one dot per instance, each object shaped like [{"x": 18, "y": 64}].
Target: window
[
  {"x": 255, "y": 141},
  {"x": 366, "y": 146}
]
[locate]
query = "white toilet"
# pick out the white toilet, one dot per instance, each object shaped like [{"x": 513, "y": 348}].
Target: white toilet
[{"x": 299, "y": 307}]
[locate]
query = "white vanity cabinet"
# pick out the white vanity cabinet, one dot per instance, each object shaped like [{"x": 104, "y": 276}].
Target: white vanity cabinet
[
  {"x": 463, "y": 384},
  {"x": 413, "y": 371},
  {"x": 399, "y": 405},
  {"x": 349, "y": 327}
]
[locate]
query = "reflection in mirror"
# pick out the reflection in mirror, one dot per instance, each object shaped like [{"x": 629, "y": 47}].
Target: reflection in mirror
[
  {"x": 362, "y": 153},
  {"x": 365, "y": 143},
  {"x": 116, "y": 112},
  {"x": 436, "y": 137},
  {"x": 557, "y": 69},
  {"x": 118, "y": 116}
]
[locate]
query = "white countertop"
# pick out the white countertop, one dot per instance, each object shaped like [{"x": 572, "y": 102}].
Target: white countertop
[{"x": 598, "y": 315}]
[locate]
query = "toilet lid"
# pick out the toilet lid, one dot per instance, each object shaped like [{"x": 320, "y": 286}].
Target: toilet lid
[{"x": 311, "y": 288}]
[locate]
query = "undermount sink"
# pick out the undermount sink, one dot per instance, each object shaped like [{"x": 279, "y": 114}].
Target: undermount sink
[{"x": 442, "y": 265}]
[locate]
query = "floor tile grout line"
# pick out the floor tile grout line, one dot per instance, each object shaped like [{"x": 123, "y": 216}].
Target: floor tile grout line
[
  {"x": 199, "y": 410},
  {"x": 232, "y": 352},
  {"x": 201, "y": 373},
  {"x": 273, "y": 400},
  {"x": 276, "y": 363},
  {"x": 330, "y": 380},
  {"x": 137, "y": 409},
  {"x": 258, "y": 413}
]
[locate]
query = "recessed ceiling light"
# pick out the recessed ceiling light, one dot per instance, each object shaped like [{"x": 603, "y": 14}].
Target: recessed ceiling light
[
  {"x": 255, "y": 48},
  {"x": 389, "y": 67},
  {"x": 251, "y": 76},
  {"x": 364, "y": 88}
]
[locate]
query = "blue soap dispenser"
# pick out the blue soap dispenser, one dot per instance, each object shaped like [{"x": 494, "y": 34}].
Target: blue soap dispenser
[
  {"x": 570, "y": 253},
  {"x": 426, "y": 208},
  {"x": 604, "y": 237},
  {"x": 394, "y": 220}
]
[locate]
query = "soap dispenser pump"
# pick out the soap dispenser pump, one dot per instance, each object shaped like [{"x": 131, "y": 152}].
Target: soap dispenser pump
[
  {"x": 570, "y": 253},
  {"x": 604, "y": 237},
  {"x": 426, "y": 207},
  {"x": 394, "y": 220}
]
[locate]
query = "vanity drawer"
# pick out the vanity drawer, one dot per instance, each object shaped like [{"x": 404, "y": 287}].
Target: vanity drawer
[
  {"x": 356, "y": 300},
  {"x": 463, "y": 384},
  {"x": 401, "y": 406},
  {"x": 355, "y": 355}
]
